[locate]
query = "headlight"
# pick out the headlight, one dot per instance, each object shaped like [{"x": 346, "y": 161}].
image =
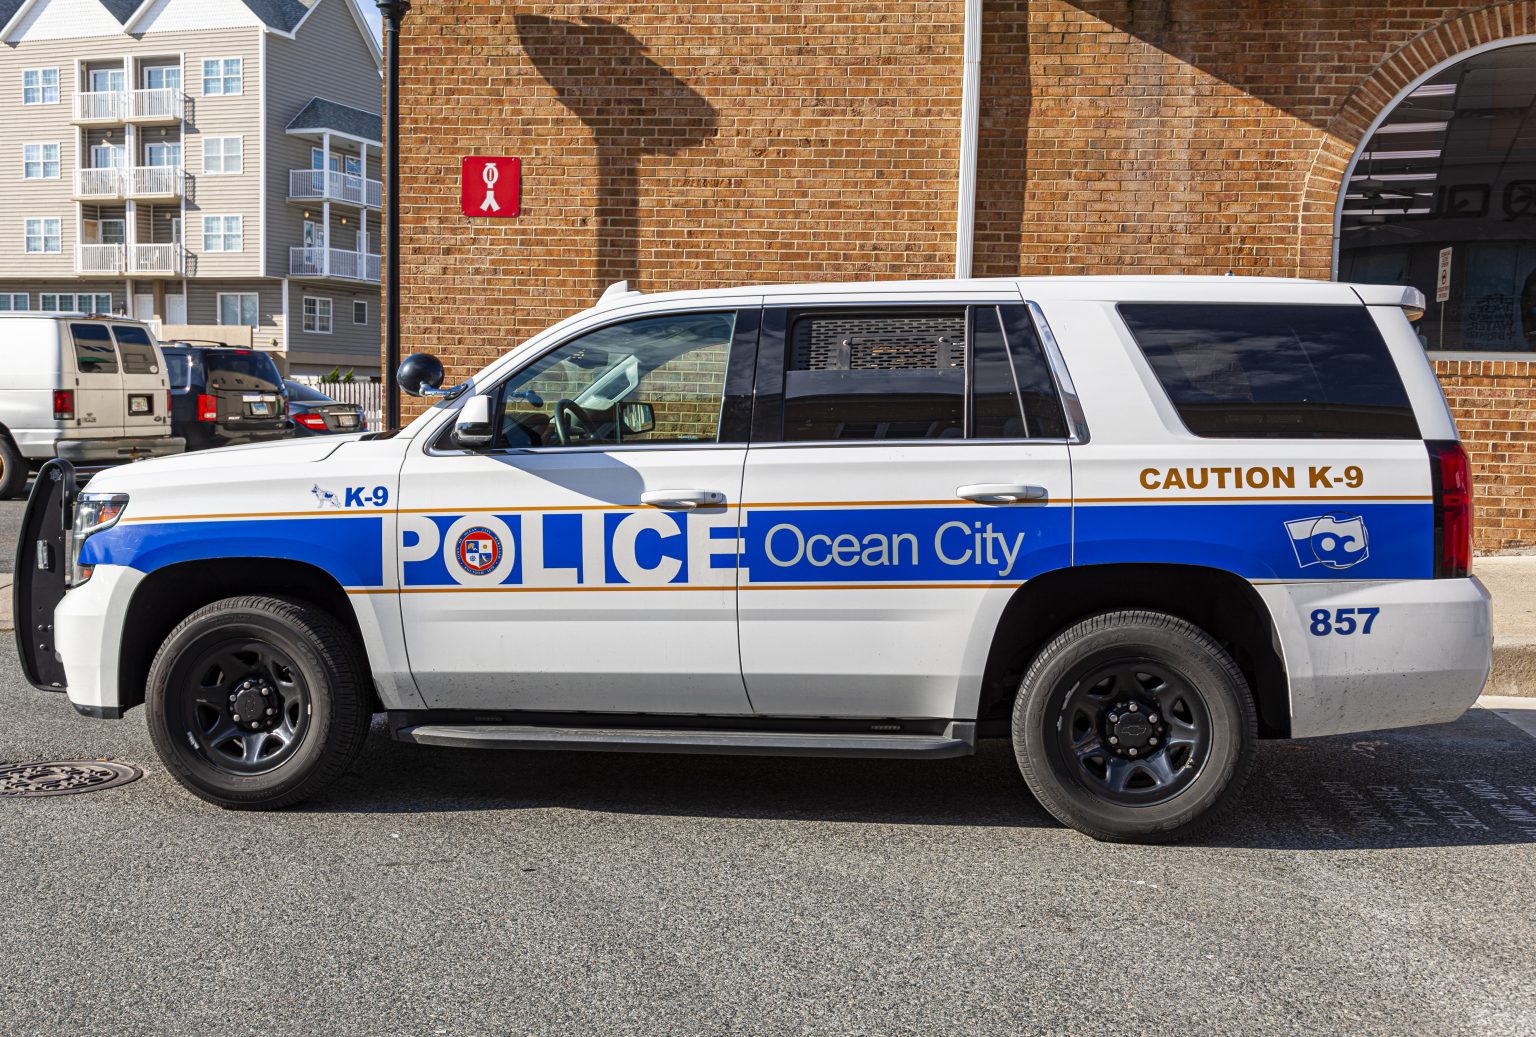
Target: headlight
[{"x": 94, "y": 512}]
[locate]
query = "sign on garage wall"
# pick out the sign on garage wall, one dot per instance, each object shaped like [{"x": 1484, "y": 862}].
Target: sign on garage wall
[{"x": 491, "y": 187}]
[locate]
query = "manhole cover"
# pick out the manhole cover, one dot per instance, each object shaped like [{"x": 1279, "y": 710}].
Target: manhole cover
[{"x": 63, "y": 778}]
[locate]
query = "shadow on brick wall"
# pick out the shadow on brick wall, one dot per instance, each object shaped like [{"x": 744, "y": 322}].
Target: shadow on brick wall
[{"x": 634, "y": 108}]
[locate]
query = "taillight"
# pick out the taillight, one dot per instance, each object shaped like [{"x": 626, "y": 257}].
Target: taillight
[
  {"x": 170, "y": 401},
  {"x": 1452, "y": 476},
  {"x": 207, "y": 408},
  {"x": 63, "y": 405},
  {"x": 313, "y": 421}
]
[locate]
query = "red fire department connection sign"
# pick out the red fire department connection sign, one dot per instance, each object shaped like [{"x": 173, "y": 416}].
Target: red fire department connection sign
[{"x": 491, "y": 187}]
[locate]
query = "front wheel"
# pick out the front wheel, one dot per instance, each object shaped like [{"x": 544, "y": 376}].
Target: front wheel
[
  {"x": 257, "y": 702},
  {"x": 1134, "y": 726}
]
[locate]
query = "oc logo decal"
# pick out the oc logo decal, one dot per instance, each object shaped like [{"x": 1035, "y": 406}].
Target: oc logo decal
[{"x": 479, "y": 550}]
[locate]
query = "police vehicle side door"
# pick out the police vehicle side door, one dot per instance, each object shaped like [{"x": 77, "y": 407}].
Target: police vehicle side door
[
  {"x": 898, "y": 490},
  {"x": 585, "y": 558}
]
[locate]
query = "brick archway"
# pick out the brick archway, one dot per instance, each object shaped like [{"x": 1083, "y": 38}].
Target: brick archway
[{"x": 1376, "y": 94}]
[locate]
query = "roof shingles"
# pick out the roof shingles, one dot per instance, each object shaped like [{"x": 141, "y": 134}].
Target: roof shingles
[
  {"x": 277, "y": 14},
  {"x": 320, "y": 114}
]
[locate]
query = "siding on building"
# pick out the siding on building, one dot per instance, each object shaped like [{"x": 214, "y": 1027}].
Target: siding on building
[{"x": 684, "y": 144}]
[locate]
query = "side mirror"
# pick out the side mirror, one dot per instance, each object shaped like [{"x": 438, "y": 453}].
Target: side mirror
[
  {"x": 637, "y": 418},
  {"x": 472, "y": 428},
  {"x": 418, "y": 370}
]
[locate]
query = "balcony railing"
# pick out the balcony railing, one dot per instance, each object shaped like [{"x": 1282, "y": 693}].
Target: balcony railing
[
  {"x": 318, "y": 185},
  {"x": 100, "y": 259},
  {"x": 155, "y": 181},
  {"x": 155, "y": 259},
  {"x": 351, "y": 266},
  {"x": 100, "y": 183},
  {"x": 101, "y": 106},
  {"x": 163, "y": 104}
]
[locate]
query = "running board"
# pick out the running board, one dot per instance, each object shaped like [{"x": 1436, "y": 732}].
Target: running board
[{"x": 958, "y": 739}]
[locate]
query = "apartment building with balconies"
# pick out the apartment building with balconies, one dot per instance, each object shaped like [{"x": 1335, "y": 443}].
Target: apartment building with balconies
[{"x": 196, "y": 163}]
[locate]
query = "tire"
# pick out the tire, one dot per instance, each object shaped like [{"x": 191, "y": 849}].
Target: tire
[
  {"x": 242, "y": 657},
  {"x": 13, "y": 470},
  {"x": 1168, "y": 774}
]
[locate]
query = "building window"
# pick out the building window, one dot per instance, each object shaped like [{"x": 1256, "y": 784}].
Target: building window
[
  {"x": 10, "y": 303},
  {"x": 40, "y": 86},
  {"x": 223, "y": 234},
  {"x": 1442, "y": 196},
  {"x": 40, "y": 161},
  {"x": 222, "y": 77},
  {"x": 359, "y": 311},
  {"x": 317, "y": 315},
  {"x": 163, "y": 155},
  {"x": 222, "y": 154},
  {"x": 240, "y": 308},
  {"x": 45, "y": 235},
  {"x": 162, "y": 77},
  {"x": 83, "y": 303}
]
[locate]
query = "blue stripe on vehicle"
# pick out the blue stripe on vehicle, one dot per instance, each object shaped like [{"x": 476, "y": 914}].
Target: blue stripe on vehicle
[
  {"x": 351, "y": 550},
  {"x": 1253, "y": 541}
]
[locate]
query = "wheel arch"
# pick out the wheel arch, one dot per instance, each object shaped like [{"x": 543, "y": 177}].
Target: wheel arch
[
  {"x": 169, "y": 594},
  {"x": 1223, "y": 604}
]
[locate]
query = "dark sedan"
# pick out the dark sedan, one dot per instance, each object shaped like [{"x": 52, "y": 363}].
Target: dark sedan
[{"x": 316, "y": 414}]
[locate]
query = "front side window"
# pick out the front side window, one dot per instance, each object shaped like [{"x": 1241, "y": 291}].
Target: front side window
[
  {"x": 40, "y": 86},
  {"x": 13, "y": 302},
  {"x": 647, "y": 381},
  {"x": 40, "y": 161},
  {"x": 93, "y": 349},
  {"x": 317, "y": 315},
  {"x": 1274, "y": 371},
  {"x": 45, "y": 235},
  {"x": 222, "y": 77},
  {"x": 222, "y": 154},
  {"x": 223, "y": 233},
  {"x": 240, "y": 308}
]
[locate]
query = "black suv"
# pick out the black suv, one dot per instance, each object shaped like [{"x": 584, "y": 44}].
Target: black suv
[{"x": 221, "y": 395}]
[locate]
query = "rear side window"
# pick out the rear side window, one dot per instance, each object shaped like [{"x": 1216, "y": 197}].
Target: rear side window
[
  {"x": 178, "y": 367},
  {"x": 918, "y": 373},
  {"x": 136, "y": 350},
  {"x": 1274, "y": 372},
  {"x": 875, "y": 375},
  {"x": 93, "y": 349},
  {"x": 241, "y": 369}
]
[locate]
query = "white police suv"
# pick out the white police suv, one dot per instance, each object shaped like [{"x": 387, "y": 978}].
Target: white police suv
[{"x": 1132, "y": 524}]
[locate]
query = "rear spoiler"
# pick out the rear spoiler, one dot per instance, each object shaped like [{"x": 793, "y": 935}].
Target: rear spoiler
[{"x": 1409, "y": 300}]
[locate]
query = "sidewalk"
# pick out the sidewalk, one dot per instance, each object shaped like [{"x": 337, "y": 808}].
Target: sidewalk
[{"x": 1511, "y": 579}]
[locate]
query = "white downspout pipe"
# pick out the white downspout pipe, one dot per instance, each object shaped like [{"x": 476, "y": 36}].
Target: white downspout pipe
[{"x": 970, "y": 110}]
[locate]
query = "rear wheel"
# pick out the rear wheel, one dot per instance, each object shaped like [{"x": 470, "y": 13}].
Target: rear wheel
[
  {"x": 258, "y": 702},
  {"x": 1135, "y": 726},
  {"x": 13, "y": 470}
]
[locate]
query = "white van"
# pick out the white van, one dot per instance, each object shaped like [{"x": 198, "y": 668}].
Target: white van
[
  {"x": 92, "y": 390},
  {"x": 1132, "y": 524}
]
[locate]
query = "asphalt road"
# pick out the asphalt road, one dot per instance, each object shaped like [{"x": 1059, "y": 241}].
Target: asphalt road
[
  {"x": 10, "y": 529},
  {"x": 1377, "y": 884}
]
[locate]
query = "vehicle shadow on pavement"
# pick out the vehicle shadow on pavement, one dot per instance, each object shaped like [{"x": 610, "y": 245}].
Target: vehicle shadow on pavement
[{"x": 1462, "y": 784}]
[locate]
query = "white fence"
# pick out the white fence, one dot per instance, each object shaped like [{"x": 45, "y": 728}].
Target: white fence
[{"x": 367, "y": 395}]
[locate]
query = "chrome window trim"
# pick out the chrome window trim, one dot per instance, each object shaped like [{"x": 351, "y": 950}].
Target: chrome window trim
[{"x": 1063, "y": 378}]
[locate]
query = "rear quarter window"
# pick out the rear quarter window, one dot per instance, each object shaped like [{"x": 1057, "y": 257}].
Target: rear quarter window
[
  {"x": 136, "y": 350},
  {"x": 94, "y": 353},
  {"x": 1274, "y": 371}
]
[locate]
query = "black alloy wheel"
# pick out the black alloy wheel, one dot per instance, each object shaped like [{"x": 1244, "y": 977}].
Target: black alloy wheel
[
  {"x": 1135, "y": 726},
  {"x": 258, "y": 702}
]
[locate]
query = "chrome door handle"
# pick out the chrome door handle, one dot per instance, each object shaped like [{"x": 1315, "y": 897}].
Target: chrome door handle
[
  {"x": 683, "y": 499},
  {"x": 1003, "y": 493}
]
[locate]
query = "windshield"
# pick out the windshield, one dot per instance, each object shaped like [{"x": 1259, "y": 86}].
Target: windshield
[{"x": 239, "y": 369}]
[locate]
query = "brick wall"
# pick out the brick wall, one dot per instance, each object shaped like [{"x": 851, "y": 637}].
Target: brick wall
[{"x": 696, "y": 144}]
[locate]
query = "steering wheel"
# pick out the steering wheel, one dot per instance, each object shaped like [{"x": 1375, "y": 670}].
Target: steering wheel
[{"x": 569, "y": 419}]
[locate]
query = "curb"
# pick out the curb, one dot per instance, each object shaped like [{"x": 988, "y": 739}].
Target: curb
[
  {"x": 1514, "y": 667},
  {"x": 5, "y": 601}
]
